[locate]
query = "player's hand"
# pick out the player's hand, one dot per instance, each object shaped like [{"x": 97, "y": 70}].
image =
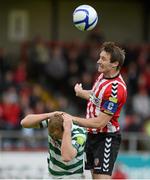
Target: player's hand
[
  {"x": 67, "y": 124},
  {"x": 78, "y": 88},
  {"x": 55, "y": 112},
  {"x": 67, "y": 116}
]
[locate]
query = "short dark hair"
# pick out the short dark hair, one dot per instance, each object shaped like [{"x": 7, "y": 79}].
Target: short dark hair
[
  {"x": 55, "y": 126},
  {"x": 117, "y": 54}
]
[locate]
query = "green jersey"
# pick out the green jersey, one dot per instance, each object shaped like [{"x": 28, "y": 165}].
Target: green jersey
[{"x": 56, "y": 166}]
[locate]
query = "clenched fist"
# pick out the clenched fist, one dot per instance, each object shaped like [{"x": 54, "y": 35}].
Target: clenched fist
[{"x": 78, "y": 89}]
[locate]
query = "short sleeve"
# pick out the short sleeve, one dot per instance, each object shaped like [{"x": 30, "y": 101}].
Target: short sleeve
[
  {"x": 79, "y": 139},
  {"x": 44, "y": 124},
  {"x": 111, "y": 99}
]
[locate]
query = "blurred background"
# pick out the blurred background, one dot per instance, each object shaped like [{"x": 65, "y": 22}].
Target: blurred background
[{"x": 42, "y": 56}]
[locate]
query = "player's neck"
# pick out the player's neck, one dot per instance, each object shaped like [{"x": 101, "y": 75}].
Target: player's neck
[{"x": 111, "y": 75}]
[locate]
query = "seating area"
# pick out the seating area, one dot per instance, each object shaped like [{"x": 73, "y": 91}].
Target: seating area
[{"x": 42, "y": 77}]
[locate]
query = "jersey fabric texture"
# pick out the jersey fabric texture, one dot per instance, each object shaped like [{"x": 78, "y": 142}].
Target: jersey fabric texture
[
  {"x": 56, "y": 166},
  {"x": 108, "y": 96}
]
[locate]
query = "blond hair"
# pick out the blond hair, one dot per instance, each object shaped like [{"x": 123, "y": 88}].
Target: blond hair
[{"x": 55, "y": 126}]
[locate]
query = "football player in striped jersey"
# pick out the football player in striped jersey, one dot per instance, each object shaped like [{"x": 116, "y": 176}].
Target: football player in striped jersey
[
  {"x": 66, "y": 142},
  {"x": 105, "y": 101}
]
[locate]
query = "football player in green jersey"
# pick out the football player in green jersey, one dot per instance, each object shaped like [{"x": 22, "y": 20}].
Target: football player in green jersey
[{"x": 66, "y": 142}]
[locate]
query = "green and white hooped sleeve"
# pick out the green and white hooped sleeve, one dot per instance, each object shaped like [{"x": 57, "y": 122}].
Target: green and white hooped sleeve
[{"x": 44, "y": 124}]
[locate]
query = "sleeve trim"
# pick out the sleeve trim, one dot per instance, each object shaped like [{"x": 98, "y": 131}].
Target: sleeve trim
[{"x": 44, "y": 124}]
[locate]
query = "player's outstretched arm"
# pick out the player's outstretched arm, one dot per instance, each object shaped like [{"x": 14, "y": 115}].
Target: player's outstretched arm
[
  {"x": 68, "y": 152},
  {"x": 95, "y": 122},
  {"x": 33, "y": 120},
  {"x": 80, "y": 92}
]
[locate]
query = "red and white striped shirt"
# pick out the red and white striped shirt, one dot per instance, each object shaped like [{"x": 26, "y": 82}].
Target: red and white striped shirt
[{"x": 108, "y": 96}]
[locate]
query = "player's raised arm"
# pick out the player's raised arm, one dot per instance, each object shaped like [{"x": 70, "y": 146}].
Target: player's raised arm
[
  {"x": 95, "y": 122},
  {"x": 68, "y": 151},
  {"x": 34, "y": 120},
  {"x": 80, "y": 92}
]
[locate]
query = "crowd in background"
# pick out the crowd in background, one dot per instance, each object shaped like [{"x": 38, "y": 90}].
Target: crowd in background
[{"x": 42, "y": 78}]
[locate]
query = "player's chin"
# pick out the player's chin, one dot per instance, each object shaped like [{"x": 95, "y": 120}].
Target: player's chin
[{"x": 100, "y": 70}]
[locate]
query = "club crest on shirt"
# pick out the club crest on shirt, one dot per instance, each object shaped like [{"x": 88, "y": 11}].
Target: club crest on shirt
[
  {"x": 96, "y": 161},
  {"x": 95, "y": 100}
]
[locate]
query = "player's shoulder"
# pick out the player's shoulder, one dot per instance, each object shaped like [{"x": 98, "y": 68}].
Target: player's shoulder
[
  {"x": 116, "y": 89},
  {"x": 78, "y": 129},
  {"x": 121, "y": 82},
  {"x": 117, "y": 84}
]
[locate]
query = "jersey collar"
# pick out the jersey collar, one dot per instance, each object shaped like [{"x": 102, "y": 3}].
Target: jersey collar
[{"x": 111, "y": 77}]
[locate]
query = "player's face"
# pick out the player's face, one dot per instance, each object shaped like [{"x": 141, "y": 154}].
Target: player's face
[{"x": 104, "y": 64}]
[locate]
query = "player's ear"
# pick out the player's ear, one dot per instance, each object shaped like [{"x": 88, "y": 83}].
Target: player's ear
[{"x": 115, "y": 65}]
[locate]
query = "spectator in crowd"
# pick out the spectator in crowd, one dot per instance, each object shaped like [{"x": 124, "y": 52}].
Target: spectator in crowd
[
  {"x": 10, "y": 109},
  {"x": 38, "y": 57},
  {"x": 56, "y": 67},
  {"x": 141, "y": 103}
]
